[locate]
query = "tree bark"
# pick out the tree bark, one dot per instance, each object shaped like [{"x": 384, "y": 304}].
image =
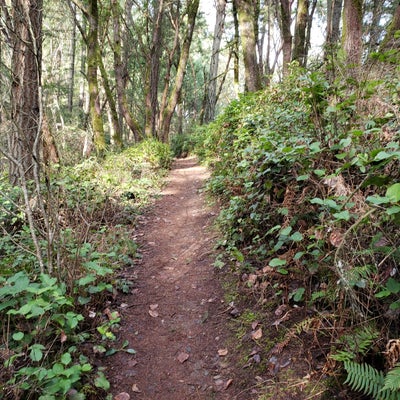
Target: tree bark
[
  {"x": 285, "y": 22},
  {"x": 352, "y": 33},
  {"x": 390, "y": 41},
  {"x": 333, "y": 22},
  {"x": 120, "y": 75},
  {"x": 235, "y": 50},
  {"x": 248, "y": 28},
  {"x": 71, "y": 77},
  {"x": 192, "y": 8},
  {"x": 299, "y": 48},
  {"x": 92, "y": 70},
  {"x": 211, "y": 101},
  {"x": 152, "y": 105},
  {"x": 26, "y": 113}
]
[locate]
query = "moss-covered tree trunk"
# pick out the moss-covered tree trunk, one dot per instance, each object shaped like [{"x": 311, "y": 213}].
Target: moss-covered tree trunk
[
  {"x": 248, "y": 28},
  {"x": 92, "y": 71},
  {"x": 166, "y": 116},
  {"x": 299, "y": 46}
]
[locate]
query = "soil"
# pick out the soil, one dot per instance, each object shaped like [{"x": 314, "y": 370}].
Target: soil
[{"x": 176, "y": 318}]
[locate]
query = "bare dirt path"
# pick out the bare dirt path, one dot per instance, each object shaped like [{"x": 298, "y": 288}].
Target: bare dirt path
[{"x": 176, "y": 318}]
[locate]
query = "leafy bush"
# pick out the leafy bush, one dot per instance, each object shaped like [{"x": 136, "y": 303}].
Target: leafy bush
[{"x": 309, "y": 184}]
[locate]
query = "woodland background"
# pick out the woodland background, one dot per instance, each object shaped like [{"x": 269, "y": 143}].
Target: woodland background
[{"x": 294, "y": 105}]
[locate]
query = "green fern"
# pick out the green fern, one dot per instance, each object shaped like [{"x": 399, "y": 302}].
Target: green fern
[
  {"x": 368, "y": 380},
  {"x": 392, "y": 379}
]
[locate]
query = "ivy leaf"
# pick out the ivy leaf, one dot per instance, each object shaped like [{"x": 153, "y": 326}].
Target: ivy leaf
[
  {"x": 17, "y": 336},
  {"x": 297, "y": 237},
  {"x": 101, "y": 381}
]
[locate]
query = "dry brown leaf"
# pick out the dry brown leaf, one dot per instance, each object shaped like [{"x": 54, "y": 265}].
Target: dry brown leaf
[
  {"x": 122, "y": 396},
  {"x": 256, "y": 335},
  {"x": 153, "y": 314},
  {"x": 222, "y": 352},
  {"x": 336, "y": 238},
  {"x": 135, "y": 388},
  {"x": 153, "y": 307},
  {"x": 254, "y": 325},
  {"x": 228, "y": 383},
  {"x": 279, "y": 311},
  {"x": 63, "y": 337},
  {"x": 182, "y": 357}
]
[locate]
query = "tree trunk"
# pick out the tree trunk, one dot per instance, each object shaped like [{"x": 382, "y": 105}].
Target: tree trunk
[
  {"x": 248, "y": 28},
  {"x": 236, "y": 49},
  {"x": 333, "y": 22},
  {"x": 211, "y": 101},
  {"x": 390, "y": 41},
  {"x": 352, "y": 33},
  {"x": 167, "y": 115},
  {"x": 285, "y": 23},
  {"x": 26, "y": 113},
  {"x": 71, "y": 77},
  {"x": 92, "y": 69},
  {"x": 120, "y": 75},
  {"x": 152, "y": 105},
  {"x": 299, "y": 48}
]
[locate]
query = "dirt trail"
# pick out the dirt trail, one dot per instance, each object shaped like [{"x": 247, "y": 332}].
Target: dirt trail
[{"x": 176, "y": 318}]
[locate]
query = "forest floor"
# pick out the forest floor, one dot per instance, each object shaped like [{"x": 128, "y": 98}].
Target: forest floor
[{"x": 178, "y": 318}]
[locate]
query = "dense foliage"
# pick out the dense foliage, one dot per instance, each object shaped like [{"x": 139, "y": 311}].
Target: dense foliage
[
  {"x": 308, "y": 175},
  {"x": 55, "y": 325}
]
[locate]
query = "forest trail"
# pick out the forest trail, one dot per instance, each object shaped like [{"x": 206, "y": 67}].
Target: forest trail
[{"x": 176, "y": 318}]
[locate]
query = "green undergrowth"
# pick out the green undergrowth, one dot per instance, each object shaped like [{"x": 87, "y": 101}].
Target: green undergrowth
[
  {"x": 57, "y": 319},
  {"x": 308, "y": 176}
]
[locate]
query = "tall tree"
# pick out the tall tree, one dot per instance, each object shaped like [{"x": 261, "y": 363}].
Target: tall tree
[
  {"x": 390, "y": 40},
  {"x": 152, "y": 106},
  {"x": 352, "y": 33},
  {"x": 214, "y": 62},
  {"x": 334, "y": 12},
  {"x": 300, "y": 44},
  {"x": 285, "y": 22},
  {"x": 91, "y": 13},
  {"x": 166, "y": 117},
  {"x": 248, "y": 13},
  {"x": 26, "y": 102},
  {"x": 121, "y": 74}
]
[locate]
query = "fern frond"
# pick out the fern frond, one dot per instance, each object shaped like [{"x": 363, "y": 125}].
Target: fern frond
[
  {"x": 368, "y": 380},
  {"x": 392, "y": 380}
]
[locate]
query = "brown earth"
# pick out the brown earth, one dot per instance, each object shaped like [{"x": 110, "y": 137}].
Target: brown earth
[{"x": 176, "y": 318}]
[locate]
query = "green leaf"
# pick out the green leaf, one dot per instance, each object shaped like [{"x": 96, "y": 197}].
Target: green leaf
[
  {"x": 283, "y": 271},
  {"x": 377, "y": 200},
  {"x": 66, "y": 358},
  {"x": 286, "y": 231},
  {"x": 18, "y": 336},
  {"x": 131, "y": 351},
  {"x": 302, "y": 177},
  {"x": 393, "y": 286},
  {"x": 36, "y": 353},
  {"x": 101, "y": 381},
  {"x": 319, "y": 172},
  {"x": 393, "y": 193},
  {"x": 343, "y": 215},
  {"x": 296, "y": 237},
  {"x": 298, "y": 294},
  {"x": 277, "y": 262}
]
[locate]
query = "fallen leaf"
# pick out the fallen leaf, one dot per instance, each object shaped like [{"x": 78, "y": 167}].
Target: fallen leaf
[
  {"x": 256, "y": 335},
  {"x": 279, "y": 311},
  {"x": 228, "y": 383},
  {"x": 153, "y": 314},
  {"x": 135, "y": 388},
  {"x": 153, "y": 307},
  {"x": 182, "y": 357},
  {"x": 282, "y": 319},
  {"x": 63, "y": 337},
  {"x": 222, "y": 352},
  {"x": 254, "y": 325},
  {"x": 122, "y": 396}
]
